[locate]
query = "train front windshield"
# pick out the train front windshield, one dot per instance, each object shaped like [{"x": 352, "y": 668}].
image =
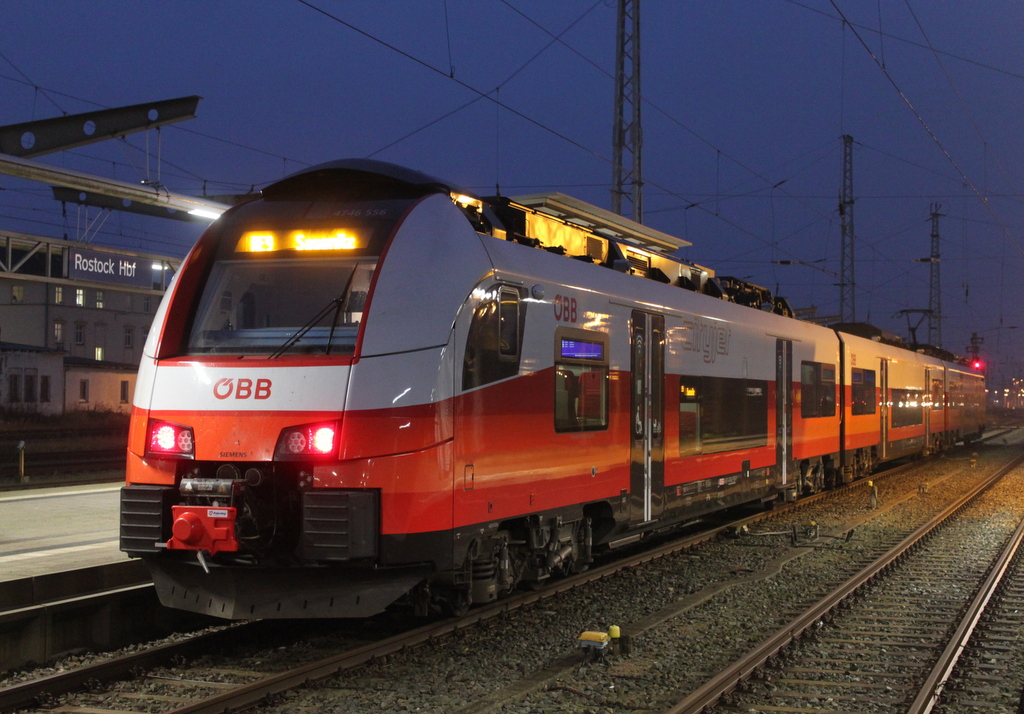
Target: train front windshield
[{"x": 281, "y": 306}]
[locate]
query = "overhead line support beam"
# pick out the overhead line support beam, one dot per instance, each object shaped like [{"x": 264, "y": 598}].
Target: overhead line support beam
[{"x": 46, "y": 136}]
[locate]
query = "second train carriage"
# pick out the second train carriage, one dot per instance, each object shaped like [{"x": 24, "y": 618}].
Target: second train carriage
[{"x": 366, "y": 385}]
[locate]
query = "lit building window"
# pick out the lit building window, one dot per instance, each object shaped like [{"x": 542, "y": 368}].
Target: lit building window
[
  {"x": 58, "y": 294},
  {"x": 99, "y": 353},
  {"x": 17, "y": 294},
  {"x": 58, "y": 332},
  {"x": 80, "y": 297},
  {"x": 99, "y": 298}
]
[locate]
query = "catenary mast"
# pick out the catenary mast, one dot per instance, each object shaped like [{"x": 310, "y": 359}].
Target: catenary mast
[
  {"x": 847, "y": 283},
  {"x": 627, "y": 176}
]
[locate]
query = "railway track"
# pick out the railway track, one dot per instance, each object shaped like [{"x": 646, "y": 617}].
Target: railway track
[
  {"x": 875, "y": 642},
  {"x": 234, "y": 687},
  {"x": 60, "y": 468},
  {"x": 990, "y": 673}
]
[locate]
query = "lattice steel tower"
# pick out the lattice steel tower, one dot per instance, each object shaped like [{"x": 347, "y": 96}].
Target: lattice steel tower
[
  {"x": 847, "y": 284},
  {"x": 627, "y": 176},
  {"x": 934, "y": 284}
]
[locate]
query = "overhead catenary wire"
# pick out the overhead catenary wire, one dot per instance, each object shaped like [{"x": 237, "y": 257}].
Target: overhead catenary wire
[
  {"x": 28, "y": 80},
  {"x": 963, "y": 104},
  {"x": 535, "y": 122},
  {"x": 904, "y": 40},
  {"x": 928, "y": 129},
  {"x": 501, "y": 84},
  {"x": 647, "y": 102}
]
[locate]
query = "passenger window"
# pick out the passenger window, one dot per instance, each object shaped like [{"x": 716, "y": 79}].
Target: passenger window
[
  {"x": 495, "y": 336},
  {"x": 722, "y": 414},
  {"x": 906, "y": 407},
  {"x": 508, "y": 322},
  {"x": 581, "y": 380},
  {"x": 937, "y": 400},
  {"x": 689, "y": 416},
  {"x": 862, "y": 391},
  {"x": 817, "y": 390}
]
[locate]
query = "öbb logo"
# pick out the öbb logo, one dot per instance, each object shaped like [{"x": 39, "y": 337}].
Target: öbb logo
[
  {"x": 565, "y": 308},
  {"x": 242, "y": 388}
]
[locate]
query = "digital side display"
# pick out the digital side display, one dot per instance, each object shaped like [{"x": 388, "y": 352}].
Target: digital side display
[{"x": 577, "y": 349}]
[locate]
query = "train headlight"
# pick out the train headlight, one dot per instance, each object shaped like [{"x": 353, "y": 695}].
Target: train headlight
[
  {"x": 170, "y": 439},
  {"x": 307, "y": 440}
]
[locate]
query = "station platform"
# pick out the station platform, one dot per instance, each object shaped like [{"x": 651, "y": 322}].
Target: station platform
[{"x": 60, "y": 529}]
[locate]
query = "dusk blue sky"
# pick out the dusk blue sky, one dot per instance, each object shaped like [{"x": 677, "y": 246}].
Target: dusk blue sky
[{"x": 746, "y": 103}]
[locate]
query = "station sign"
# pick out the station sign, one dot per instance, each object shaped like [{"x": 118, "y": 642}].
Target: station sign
[{"x": 110, "y": 268}]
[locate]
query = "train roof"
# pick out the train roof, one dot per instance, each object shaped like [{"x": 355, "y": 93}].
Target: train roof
[
  {"x": 346, "y": 175},
  {"x": 504, "y": 218}
]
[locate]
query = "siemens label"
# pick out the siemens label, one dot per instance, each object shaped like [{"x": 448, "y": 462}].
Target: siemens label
[{"x": 110, "y": 268}]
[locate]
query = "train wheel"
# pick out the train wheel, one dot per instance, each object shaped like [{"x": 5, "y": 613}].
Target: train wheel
[{"x": 458, "y": 603}]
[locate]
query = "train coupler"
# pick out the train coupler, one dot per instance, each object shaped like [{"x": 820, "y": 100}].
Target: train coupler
[{"x": 202, "y": 528}]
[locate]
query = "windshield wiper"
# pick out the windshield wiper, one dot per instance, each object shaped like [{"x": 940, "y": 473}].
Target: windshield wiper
[{"x": 335, "y": 303}]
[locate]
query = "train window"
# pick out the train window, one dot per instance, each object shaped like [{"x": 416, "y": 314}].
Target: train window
[
  {"x": 937, "y": 398},
  {"x": 722, "y": 414},
  {"x": 508, "y": 322},
  {"x": 272, "y": 306},
  {"x": 906, "y": 407},
  {"x": 581, "y": 380},
  {"x": 817, "y": 390},
  {"x": 862, "y": 391},
  {"x": 495, "y": 334},
  {"x": 689, "y": 416}
]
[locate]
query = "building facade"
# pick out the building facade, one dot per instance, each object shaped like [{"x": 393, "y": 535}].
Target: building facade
[
  {"x": 87, "y": 309},
  {"x": 31, "y": 380}
]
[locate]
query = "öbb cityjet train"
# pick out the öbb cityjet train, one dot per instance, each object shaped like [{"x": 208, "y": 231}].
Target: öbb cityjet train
[{"x": 366, "y": 387}]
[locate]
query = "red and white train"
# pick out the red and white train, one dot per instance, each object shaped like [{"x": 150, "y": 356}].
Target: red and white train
[{"x": 365, "y": 386}]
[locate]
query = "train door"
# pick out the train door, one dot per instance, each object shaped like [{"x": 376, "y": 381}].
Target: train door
[
  {"x": 783, "y": 406},
  {"x": 647, "y": 410},
  {"x": 883, "y": 406}
]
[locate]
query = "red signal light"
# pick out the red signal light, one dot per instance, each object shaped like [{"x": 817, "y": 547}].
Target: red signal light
[
  {"x": 307, "y": 440},
  {"x": 170, "y": 439},
  {"x": 977, "y": 364}
]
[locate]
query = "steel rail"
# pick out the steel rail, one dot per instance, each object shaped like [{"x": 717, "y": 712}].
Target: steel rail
[
  {"x": 249, "y": 694},
  {"x": 24, "y": 694},
  {"x": 935, "y": 682},
  {"x": 728, "y": 678},
  {"x": 21, "y": 695}
]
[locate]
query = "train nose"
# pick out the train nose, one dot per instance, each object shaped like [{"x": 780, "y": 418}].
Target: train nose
[{"x": 188, "y": 528}]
